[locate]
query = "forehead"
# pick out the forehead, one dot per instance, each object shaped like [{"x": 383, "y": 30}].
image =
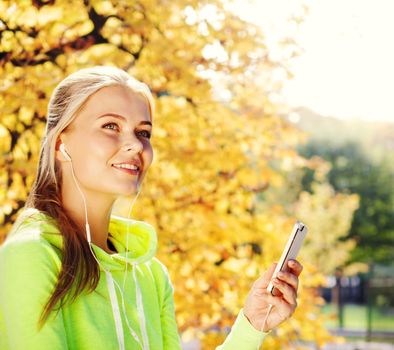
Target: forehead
[{"x": 115, "y": 99}]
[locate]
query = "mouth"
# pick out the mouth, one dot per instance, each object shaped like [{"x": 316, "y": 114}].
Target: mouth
[{"x": 133, "y": 172}]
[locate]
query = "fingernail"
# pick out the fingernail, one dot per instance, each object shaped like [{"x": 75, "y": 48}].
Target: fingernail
[
  {"x": 275, "y": 280},
  {"x": 281, "y": 274}
]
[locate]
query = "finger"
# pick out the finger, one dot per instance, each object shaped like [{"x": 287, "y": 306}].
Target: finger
[
  {"x": 273, "y": 300},
  {"x": 289, "y": 278},
  {"x": 279, "y": 304},
  {"x": 270, "y": 271},
  {"x": 288, "y": 292},
  {"x": 281, "y": 307},
  {"x": 295, "y": 267},
  {"x": 264, "y": 280}
]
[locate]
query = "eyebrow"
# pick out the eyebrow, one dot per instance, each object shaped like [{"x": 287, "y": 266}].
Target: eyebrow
[{"x": 118, "y": 116}]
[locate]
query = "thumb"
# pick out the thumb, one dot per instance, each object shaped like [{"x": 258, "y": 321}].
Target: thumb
[{"x": 265, "y": 278}]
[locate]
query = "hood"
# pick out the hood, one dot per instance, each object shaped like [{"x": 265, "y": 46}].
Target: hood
[
  {"x": 142, "y": 244},
  {"x": 142, "y": 237}
]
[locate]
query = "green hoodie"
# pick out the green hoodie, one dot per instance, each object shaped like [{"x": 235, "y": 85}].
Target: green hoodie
[{"x": 30, "y": 261}]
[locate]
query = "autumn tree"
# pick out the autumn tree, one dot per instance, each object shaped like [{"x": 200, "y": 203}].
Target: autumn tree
[{"x": 216, "y": 136}]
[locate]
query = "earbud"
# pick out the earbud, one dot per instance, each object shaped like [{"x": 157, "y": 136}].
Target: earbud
[{"x": 64, "y": 152}]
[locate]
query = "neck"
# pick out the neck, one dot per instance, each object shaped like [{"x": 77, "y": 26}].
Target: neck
[{"x": 99, "y": 208}]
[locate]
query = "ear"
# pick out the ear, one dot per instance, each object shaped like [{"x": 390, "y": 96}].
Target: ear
[{"x": 58, "y": 154}]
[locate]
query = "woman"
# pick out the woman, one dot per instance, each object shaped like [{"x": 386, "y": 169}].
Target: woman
[{"x": 64, "y": 265}]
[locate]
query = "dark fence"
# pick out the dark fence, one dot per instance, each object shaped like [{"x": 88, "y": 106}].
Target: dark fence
[{"x": 374, "y": 289}]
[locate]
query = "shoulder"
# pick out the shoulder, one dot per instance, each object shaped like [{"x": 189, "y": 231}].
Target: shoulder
[
  {"x": 28, "y": 250},
  {"x": 164, "y": 287},
  {"x": 160, "y": 272},
  {"x": 158, "y": 267},
  {"x": 29, "y": 269},
  {"x": 25, "y": 244}
]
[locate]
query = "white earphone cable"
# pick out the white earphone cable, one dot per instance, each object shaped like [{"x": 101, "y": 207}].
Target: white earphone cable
[
  {"x": 266, "y": 317},
  {"x": 88, "y": 235}
]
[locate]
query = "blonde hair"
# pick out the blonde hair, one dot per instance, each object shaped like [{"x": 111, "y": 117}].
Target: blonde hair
[{"x": 67, "y": 100}]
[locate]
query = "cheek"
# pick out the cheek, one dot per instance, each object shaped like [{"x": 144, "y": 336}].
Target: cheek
[
  {"x": 103, "y": 144},
  {"x": 148, "y": 155},
  {"x": 97, "y": 151},
  {"x": 149, "y": 148}
]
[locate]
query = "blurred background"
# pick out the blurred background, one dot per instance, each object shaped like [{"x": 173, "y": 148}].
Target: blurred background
[{"x": 267, "y": 112}]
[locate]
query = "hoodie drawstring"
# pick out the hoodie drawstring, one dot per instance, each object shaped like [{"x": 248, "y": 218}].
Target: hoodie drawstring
[
  {"x": 116, "y": 312},
  {"x": 140, "y": 307}
]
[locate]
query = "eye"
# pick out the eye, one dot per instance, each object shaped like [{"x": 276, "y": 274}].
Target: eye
[
  {"x": 105, "y": 125},
  {"x": 147, "y": 133}
]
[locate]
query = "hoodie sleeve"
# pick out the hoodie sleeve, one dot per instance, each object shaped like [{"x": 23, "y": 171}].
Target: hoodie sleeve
[
  {"x": 171, "y": 338},
  {"x": 28, "y": 274},
  {"x": 243, "y": 335}
]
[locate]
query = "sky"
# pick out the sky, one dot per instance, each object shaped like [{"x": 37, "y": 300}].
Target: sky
[{"x": 346, "y": 69}]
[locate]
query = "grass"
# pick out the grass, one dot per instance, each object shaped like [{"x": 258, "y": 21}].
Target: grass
[{"x": 355, "y": 317}]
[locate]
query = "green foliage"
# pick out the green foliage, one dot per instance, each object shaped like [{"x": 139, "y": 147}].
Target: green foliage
[{"x": 353, "y": 172}]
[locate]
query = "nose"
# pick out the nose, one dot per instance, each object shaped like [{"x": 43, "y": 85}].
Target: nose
[{"x": 133, "y": 145}]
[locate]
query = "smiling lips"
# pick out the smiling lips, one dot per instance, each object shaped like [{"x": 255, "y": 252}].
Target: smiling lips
[{"x": 127, "y": 168}]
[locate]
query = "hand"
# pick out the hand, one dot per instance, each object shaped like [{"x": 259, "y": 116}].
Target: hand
[{"x": 283, "y": 306}]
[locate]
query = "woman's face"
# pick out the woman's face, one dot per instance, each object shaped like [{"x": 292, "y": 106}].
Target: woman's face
[{"x": 96, "y": 140}]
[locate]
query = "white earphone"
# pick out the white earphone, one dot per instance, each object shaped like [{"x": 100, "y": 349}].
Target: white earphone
[
  {"x": 88, "y": 236},
  {"x": 64, "y": 152}
]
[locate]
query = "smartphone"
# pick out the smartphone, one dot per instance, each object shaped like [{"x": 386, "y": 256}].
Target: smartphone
[{"x": 290, "y": 252}]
